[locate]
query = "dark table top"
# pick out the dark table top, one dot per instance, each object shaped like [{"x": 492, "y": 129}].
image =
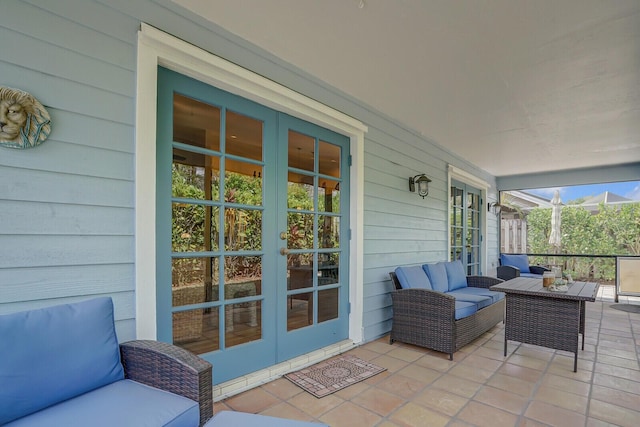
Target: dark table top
[{"x": 579, "y": 291}]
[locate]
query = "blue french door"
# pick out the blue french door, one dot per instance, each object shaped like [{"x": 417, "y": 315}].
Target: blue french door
[
  {"x": 465, "y": 220},
  {"x": 252, "y": 214}
]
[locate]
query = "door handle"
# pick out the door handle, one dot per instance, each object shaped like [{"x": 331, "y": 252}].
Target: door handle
[{"x": 284, "y": 251}]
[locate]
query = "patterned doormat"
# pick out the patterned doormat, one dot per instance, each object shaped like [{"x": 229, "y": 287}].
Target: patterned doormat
[
  {"x": 629, "y": 308},
  {"x": 332, "y": 375}
]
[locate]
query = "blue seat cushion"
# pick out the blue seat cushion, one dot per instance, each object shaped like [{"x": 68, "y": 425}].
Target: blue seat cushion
[
  {"x": 495, "y": 296},
  {"x": 413, "y": 277},
  {"x": 437, "y": 276},
  {"x": 123, "y": 403},
  {"x": 53, "y": 354},
  {"x": 456, "y": 275},
  {"x": 531, "y": 275},
  {"x": 481, "y": 301},
  {"x": 243, "y": 419},
  {"x": 465, "y": 309},
  {"x": 519, "y": 261}
]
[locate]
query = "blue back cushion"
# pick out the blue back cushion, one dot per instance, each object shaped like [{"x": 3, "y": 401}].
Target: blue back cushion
[
  {"x": 56, "y": 353},
  {"x": 413, "y": 277},
  {"x": 520, "y": 261},
  {"x": 438, "y": 276},
  {"x": 456, "y": 275}
]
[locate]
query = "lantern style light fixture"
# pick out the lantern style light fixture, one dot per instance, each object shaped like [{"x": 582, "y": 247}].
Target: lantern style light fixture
[
  {"x": 494, "y": 208},
  {"x": 421, "y": 182}
]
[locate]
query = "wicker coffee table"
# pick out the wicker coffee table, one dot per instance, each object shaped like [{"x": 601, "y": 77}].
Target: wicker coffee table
[{"x": 541, "y": 317}]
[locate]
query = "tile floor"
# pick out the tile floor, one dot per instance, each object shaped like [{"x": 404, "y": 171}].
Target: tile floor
[{"x": 532, "y": 386}]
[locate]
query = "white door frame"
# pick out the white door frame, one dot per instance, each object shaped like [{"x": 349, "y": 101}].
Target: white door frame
[{"x": 158, "y": 48}]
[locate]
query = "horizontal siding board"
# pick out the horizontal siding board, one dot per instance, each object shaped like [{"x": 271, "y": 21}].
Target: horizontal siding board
[
  {"x": 68, "y": 64},
  {"x": 49, "y": 251},
  {"x": 94, "y": 132},
  {"x": 99, "y": 33},
  {"x": 48, "y": 187},
  {"x": 123, "y": 304},
  {"x": 57, "y": 92},
  {"x": 126, "y": 330},
  {"x": 55, "y": 156},
  {"x": 44, "y": 283},
  {"x": 65, "y": 219}
]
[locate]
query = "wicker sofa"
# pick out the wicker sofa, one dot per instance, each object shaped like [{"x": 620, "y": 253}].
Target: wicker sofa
[{"x": 438, "y": 307}]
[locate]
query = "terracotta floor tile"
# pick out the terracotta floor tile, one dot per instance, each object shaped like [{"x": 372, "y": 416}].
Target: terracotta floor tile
[
  {"x": 401, "y": 385},
  {"x": 553, "y": 415},
  {"x": 521, "y": 372},
  {"x": 459, "y": 386},
  {"x": 617, "y": 361},
  {"x": 528, "y": 422},
  {"x": 513, "y": 385},
  {"x": 623, "y": 354},
  {"x": 405, "y": 353},
  {"x": 286, "y": 410},
  {"x": 314, "y": 406},
  {"x": 441, "y": 401},
  {"x": 378, "y": 401},
  {"x": 413, "y": 415},
  {"x": 617, "y": 371},
  {"x": 593, "y": 422},
  {"x": 614, "y": 414},
  {"x": 491, "y": 352},
  {"x": 502, "y": 399},
  {"x": 476, "y": 361},
  {"x": 422, "y": 374},
  {"x": 255, "y": 400},
  {"x": 470, "y": 373},
  {"x": 350, "y": 392},
  {"x": 439, "y": 364},
  {"x": 364, "y": 353},
  {"x": 556, "y": 397},
  {"x": 392, "y": 364},
  {"x": 350, "y": 415},
  {"x": 282, "y": 388},
  {"x": 482, "y": 415},
  {"x": 616, "y": 397},
  {"x": 380, "y": 346},
  {"x": 617, "y": 383},
  {"x": 566, "y": 384},
  {"x": 527, "y": 362}
]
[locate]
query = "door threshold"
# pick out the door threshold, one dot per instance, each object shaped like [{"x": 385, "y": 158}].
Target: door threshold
[{"x": 254, "y": 379}]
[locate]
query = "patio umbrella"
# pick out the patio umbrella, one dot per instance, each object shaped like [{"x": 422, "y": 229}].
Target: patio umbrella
[{"x": 555, "y": 237}]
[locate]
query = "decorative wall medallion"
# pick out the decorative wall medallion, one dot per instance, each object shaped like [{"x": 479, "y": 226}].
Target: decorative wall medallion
[{"x": 24, "y": 122}]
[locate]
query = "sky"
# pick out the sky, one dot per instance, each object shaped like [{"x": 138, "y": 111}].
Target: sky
[{"x": 630, "y": 190}]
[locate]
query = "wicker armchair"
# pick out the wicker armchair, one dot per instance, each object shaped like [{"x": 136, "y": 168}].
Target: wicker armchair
[
  {"x": 427, "y": 318},
  {"x": 172, "y": 369}
]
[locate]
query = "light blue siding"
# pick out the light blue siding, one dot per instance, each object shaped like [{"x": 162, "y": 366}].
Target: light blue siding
[{"x": 67, "y": 226}]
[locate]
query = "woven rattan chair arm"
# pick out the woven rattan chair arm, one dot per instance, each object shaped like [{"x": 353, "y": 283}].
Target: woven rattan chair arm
[
  {"x": 482, "y": 281},
  {"x": 429, "y": 303},
  {"x": 508, "y": 272},
  {"x": 170, "y": 368}
]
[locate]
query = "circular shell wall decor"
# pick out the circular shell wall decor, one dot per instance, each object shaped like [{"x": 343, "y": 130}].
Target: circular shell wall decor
[{"x": 24, "y": 122}]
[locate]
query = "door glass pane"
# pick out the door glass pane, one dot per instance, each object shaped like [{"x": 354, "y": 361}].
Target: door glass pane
[
  {"x": 197, "y": 330},
  {"x": 243, "y": 183},
  {"x": 196, "y": 123},
  {"x": 328, "y": 231},
  {"x": 243, "y": 276},
  {"x": 301, "y": 152},
  {"x": 242, "y": 229},
  {"x": 327, "y": 304},
  {"x": 193, "y": 228},
  {"x": 300, "y": 191},
  {"x": 299, "y": 230},
  {"x": 328, "y": 268},
  {"x": 299, "y": 310},
  {"x": 194, "y": 280},
  {"x": 329, "y": 159},
  {"x": 243, "y": 136},
  {"x": 242, "y": 323},
  {"x": 300, "y": 276},
  {"x": 329, "y": 196},
  {"x": 195, "y": 175}
]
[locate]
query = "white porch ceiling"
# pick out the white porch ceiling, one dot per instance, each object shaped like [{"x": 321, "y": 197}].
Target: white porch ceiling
[{"x": 512, "y": 86}]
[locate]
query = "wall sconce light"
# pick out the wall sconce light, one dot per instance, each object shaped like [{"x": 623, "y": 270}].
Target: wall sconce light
[
  {"x": 494, "y": 208},
  {"x": 422, "y": 182}
]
